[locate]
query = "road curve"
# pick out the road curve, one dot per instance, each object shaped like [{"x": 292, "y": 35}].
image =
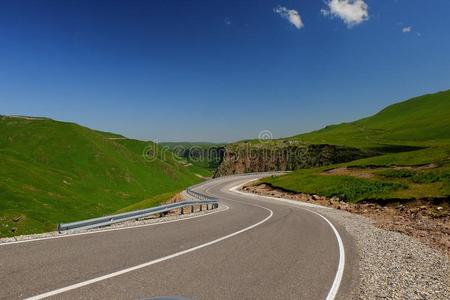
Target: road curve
[{"x": 257, "y": 249}]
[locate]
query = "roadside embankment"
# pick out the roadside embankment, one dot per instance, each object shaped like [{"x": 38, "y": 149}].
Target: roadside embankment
[{"x": 427, "y": 221}]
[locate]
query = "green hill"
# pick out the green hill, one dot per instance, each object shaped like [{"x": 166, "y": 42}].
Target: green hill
[
  {"x": 59, "y": 172},
  {"x": 421, "y": 121},
  {"x": 412, "y": 139}
]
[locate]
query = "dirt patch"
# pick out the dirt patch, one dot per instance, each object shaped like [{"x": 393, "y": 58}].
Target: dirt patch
[
  {"x": 427, "y": 221},
  {"x": 361, "y": 173},
  {"x": 368, "y": 172},
  {"x": 427, "y": 167}
]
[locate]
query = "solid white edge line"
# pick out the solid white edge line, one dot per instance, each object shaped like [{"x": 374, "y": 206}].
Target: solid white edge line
[
  {"x": 340, "y": 270},
  {"x": 341, "y": 265},
  {"x": 114, "y": 274},
  {"x": 235, "y": 189},
  {"x": 111, "y": 229}
]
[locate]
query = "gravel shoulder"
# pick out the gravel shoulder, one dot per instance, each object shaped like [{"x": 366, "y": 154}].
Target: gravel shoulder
[{"x": 392, "y": 265}]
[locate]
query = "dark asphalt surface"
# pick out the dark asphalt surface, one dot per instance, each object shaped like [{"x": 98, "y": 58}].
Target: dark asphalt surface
[{"x": 294, "y": 254}]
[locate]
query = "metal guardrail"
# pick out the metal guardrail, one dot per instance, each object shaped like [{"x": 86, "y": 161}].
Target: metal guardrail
[
  {"x": 199, "y": 196},
  {"x": 200, "y": 200}
]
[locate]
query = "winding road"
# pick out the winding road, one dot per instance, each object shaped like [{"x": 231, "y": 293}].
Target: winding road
[{"x": 259, "y": 248}]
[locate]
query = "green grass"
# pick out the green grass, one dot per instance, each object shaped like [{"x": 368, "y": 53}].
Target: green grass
[
  {"x": 149, "y": 202},
  {"x": 396, "y": 173},
  {"x": 434, "y": 154},
  {"x": 55, "y": 172},
  {"x": 347, "y": 188},
  {"x": 201, "y": 171},
  {"x": 416, "y": 176},
  {"x": 421, "y": 121},
  {"x": 411, "y": 133},
  {"x": 387, "y": 183}
]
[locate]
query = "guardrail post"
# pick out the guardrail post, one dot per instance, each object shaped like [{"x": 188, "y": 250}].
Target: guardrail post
[
  {"x": 182, "y": 211},
  {"x": 192, "y": 209},
  {"x": 201, "y": 207}
]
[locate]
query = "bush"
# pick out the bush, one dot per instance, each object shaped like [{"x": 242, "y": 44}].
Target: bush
[
  {"x": 430, "y": 177},
  {"x": 396, "y": 173}
]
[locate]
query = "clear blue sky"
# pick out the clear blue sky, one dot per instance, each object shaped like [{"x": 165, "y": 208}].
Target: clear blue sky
[{"x": 218, "y": 70}]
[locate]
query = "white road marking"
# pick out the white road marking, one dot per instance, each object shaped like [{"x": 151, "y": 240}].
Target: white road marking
[
  {"x": 331, "y": 295},
  {"x": 118, "y": 273},
  {"x": 111, "y": 229},
  {"x": 340, "y": 270},
  {"x": 235, "y": 189}
]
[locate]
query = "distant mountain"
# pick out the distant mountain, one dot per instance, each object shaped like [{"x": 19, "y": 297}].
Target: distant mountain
[
  {"x": 206, "y": 156},
  {"x": 59, "y": 172}
]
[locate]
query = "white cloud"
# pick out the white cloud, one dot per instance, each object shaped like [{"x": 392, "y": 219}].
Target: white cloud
[
  {"x": 352, "y": 12},
  {"x": 407, "y": 29},
  {"x": 291, "y": 15}
]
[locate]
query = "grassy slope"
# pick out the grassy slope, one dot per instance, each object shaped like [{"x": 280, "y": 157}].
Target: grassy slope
[
  {"x": 421, "y": 122},
  {"x": 59, "y": 172}
]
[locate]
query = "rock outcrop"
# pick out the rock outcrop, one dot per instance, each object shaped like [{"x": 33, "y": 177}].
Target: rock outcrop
[{"x": 249, "y": 157}]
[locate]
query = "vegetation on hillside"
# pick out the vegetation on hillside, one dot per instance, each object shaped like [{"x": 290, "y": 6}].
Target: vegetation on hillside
[
  {"x": 55, "y": 172},
  {"x": 422, "y": 121},
  {"x": 414, "y": 139}
]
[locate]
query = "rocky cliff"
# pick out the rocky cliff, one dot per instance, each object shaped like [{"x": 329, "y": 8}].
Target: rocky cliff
[{"x": 249, "y": 157}]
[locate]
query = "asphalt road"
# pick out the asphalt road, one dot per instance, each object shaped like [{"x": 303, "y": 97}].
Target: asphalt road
[{"x": 257, "y": 249}]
